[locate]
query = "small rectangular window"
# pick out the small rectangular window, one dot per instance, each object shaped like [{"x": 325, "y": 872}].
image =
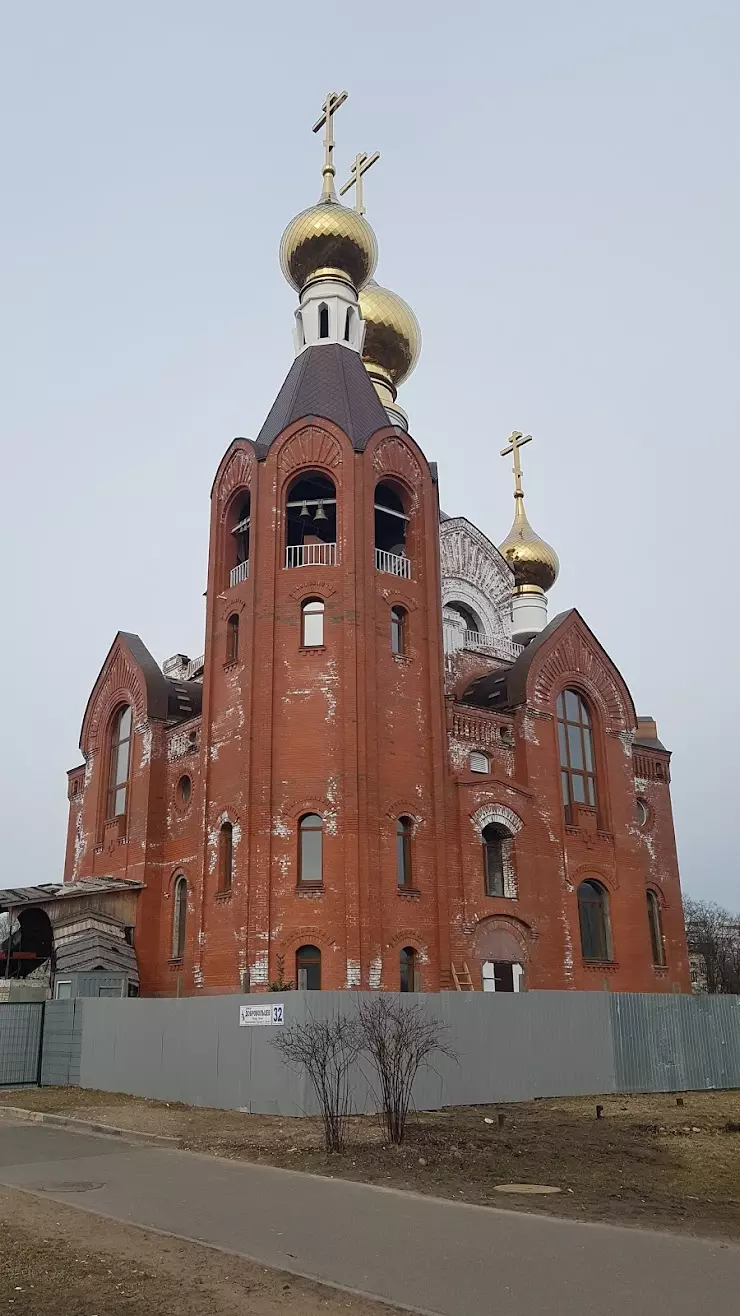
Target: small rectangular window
[
  {"x": 479, "y": 762},
  {"x": 63, "y": 991}
]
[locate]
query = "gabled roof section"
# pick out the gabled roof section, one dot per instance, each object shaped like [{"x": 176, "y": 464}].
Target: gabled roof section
[
  {"x": 566, "y": 648},
  {"x": 130, "y": 672},
  {"x": 330, "y": 383}
]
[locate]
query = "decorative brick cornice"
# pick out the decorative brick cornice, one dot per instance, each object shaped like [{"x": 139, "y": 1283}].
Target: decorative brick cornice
[
  {"x": 649, "y": 766},
  {"x": 479, "y": 730}
]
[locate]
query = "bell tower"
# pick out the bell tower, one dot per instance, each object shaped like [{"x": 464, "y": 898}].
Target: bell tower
[{"x": 323, "y": 706}]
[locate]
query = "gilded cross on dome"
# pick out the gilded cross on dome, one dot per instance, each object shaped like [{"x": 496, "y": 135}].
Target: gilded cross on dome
[
  {"x": 517, "y": 440},
  {"x": 361, "y": 165},
  {"x": 329, "y": 109}
]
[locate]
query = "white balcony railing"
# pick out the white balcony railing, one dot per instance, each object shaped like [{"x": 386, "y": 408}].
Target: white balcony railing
[
  {"x": 393, "y": 563},
  {"x": 195, "y": 667},
  {"x": 311, "y": 555},
  {"x": 239, "y": 573},
  {"x": 497, "y": 646}
]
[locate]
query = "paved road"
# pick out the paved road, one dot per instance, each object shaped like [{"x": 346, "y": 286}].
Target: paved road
[{"x": 436, "y": 1257}]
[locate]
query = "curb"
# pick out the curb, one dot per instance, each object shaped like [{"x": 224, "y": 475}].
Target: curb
[{"x": 87, "y": 1126}]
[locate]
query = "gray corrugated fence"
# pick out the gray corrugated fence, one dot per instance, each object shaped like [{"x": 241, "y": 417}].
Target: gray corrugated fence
[
  {"x": 509, "y": 1047},
  {"x": 62, "y": 1050},
  {"x": 675, "y": 1043},
  {"x": 21, "y": 1024}
]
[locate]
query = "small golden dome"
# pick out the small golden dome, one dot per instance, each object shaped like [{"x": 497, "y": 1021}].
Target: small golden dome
[
  {"x": 392, "y": 336},
  {"x": 328, "y": 241},
  {"x": 532, "y": 560}
]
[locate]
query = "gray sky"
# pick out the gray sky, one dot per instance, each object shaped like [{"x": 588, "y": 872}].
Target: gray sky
[{"x": 557, "y": 199}]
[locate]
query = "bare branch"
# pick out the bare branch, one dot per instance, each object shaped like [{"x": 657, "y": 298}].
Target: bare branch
[
  {"x": 327, "y": 1049},
  {"x": 399, "y": 1037}
]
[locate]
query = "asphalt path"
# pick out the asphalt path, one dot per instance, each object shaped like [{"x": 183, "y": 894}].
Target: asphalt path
[{"x": 429, "y": 1255}]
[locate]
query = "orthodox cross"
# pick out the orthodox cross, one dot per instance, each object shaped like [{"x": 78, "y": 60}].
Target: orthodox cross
[
  {"x": 517, "y": 440},
  {"x": 362, "y": 163},
  {"x": 329, "y": 108}
]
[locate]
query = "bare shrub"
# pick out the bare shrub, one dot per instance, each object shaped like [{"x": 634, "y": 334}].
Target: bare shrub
[
  {"x": 327, "y": 1049},
  {"x": 399, "y": 1038}
]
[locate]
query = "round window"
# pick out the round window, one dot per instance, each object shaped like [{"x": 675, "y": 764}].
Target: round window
[
  {"x": 184, "y": 791},
  {"x": 641, "y": 810}
]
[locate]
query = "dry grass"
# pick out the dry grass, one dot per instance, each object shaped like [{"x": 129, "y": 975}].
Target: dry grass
[{"x": 647, "y": 1162}]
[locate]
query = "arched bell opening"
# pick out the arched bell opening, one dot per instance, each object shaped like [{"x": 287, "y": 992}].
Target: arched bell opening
[{"x": 311, "y": 521}]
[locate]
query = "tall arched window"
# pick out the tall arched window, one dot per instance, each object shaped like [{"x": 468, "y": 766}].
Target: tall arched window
[
  {"x": 238, "y": 551},
  {"x": 593, "y": 916},
  {"x": 404, "y": 829},
  {"x": 312, "y": 624},
  {"x": 232, "y": 638},
  {"x": 656, "y": 930},
  {"x": 408, "y": 969},
  {"x": 225, "y": 856},
  {"x": 391, "y": 520},
  {"x": 493, "y": 859},
  {"x": 308, "y": 968},
  {"x": 575, "y": 741},
  {"x": 310, "y": 848},
  {"x": 348, "y": 325},
  {"x": 398, "y": 630},
  {"x": 179, "y": 917},
  {"x": 323, "y": 321},
  {"x": 119, "y": 763}
]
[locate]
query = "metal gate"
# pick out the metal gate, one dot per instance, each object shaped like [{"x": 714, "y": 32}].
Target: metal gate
[{"x": 21, "y": 1034}]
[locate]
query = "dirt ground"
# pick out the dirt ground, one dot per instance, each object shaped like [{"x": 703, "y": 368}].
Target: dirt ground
[
  {"x": 647, "y": 1162},
  {"x": 52, "y": 1261}
]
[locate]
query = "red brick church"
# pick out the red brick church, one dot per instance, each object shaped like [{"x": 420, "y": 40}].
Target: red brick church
[{"x": 388, "y": 769}]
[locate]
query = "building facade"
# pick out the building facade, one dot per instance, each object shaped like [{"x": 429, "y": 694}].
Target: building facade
[{"x": 388, "y": 770}]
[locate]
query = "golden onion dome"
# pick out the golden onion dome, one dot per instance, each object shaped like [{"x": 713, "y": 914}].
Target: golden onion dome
[
  {"x": 392, "y": 334},
  {"x": 532, "y": 560},
  {"x": 328, "y": 241}
]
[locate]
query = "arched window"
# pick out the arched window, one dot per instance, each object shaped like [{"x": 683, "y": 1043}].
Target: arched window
[
  {"x": 391, "y": 520},
  {"x": 323, "y": 320},
  {"x": 311, "y": 521},
  {"x": 348, "y": 325},
  {"x": 493, "y": 838},
  {"x": 238, "y": 552},
  {"x": 641, "y": 812},
  {"x": 399, "y": 618},
  {"x": 119, "y": 763},
  {"x": 656, "y": 930},
  {"x": 308, "y": 968},
  {"x": 179, "y": 917},
  {"x": 310, "y": 848},
  {"x": 575, "y": 740},
  {"x": 232, "y": 638},
  {"x": 225, "y": 856},
  {"x": 312, "y": 624},
  {"x": 404, "y": 829},
  {"x": 479, "y": 762},
  {"x": 593, "y": 916},
  {"x": 300, "y": 331},
  {"x": 408, "y": 969},
  {"x": 470, "y": 620}
]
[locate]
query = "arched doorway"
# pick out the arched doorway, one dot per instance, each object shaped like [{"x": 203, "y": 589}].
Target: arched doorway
[{"x": 501, "y": 953}]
